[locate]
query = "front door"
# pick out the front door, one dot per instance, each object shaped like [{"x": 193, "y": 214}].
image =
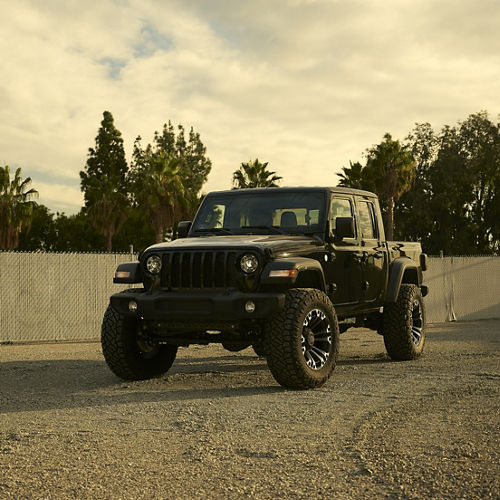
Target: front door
[{"x": 343, "y": 272}]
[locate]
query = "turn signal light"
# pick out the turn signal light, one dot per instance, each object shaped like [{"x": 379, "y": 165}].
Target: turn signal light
[{"x": 283, "y": 273}]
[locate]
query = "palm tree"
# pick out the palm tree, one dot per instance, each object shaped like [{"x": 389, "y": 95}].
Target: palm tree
[
  {"x": 16, "y": 209},
  {"x": 352, "y": 176},
  {"x": 390, "y": 168},
  {"x": 160, "y": 189},
  {"x": 254, "y": 174}
]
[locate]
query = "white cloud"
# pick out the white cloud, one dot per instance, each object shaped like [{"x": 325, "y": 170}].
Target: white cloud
[
  {"x": 305, "y": 85},
  {"x": 60, "y": 197}
]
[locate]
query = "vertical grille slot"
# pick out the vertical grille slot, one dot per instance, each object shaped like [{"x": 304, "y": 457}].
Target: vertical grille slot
[{"x": 197, "y": 270}]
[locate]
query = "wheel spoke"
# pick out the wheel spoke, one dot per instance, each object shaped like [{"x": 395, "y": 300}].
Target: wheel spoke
[
  {"x": 313, "y": 321},
  {"x": 416, "y": 323},
  {"x": 310, "y": 360},
  {"x": 416, "y": 334},
  {"x": 316, "y": 340},
  {"x": 322, "y": 355},
  {"x": 323, "y": 338}
]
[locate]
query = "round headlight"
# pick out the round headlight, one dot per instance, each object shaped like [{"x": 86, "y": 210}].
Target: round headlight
[
  {"x": 249, "y": 263},
  {"x": 153, "y": 264}
]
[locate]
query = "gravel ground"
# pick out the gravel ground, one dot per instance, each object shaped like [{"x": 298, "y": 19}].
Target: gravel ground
[{"x": 218, "y": 426}]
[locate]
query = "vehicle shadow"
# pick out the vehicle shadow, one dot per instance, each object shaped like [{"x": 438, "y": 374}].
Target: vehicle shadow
[{"x": 68, "y": 384}]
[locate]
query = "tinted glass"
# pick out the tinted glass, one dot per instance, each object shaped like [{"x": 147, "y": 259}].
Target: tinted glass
[
  {"x": 340, "y": 208},
  {"x": 366, "y": 220},
  {"x": 265, "y": 213}
]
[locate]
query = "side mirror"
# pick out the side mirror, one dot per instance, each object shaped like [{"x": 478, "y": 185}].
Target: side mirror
[
  {"x": 344, "y": 227},
  {"x": 183, "y": 228}
]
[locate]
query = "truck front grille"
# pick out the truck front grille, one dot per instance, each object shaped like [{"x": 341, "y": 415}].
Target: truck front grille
[{"x": 198, "y": 269}]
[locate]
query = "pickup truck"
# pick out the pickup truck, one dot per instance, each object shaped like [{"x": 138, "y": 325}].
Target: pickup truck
[{"x": 284, "y": 270}]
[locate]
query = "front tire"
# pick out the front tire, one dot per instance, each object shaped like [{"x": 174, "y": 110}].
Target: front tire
[
  {"x": 130, "y": 355},
  {"x": 301, "y": 342},
  {"x": 258, "y": 349},
  {"x": 404, "y": 324}
]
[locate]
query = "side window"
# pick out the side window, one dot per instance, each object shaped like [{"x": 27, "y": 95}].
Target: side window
[
  {"x": 367, "y": 222},
  {"x": 341, "y": 207}
]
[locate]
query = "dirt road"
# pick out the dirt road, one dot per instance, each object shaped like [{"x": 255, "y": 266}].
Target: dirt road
[{"x": 218, "y": 426}]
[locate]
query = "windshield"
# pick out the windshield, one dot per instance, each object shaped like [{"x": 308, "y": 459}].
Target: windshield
[{"x": 261, "y": 213}]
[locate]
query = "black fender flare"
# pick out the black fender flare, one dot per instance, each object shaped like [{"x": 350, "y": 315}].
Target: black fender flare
[
  {"x": 301, "y": 265},
  {"x": 398, "y": 268}
]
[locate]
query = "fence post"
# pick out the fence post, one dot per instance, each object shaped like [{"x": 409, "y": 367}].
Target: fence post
[{"x": 451, "y": 293}]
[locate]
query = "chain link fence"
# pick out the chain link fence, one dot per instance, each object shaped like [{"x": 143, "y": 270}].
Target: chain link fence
[
  {"x": 463, "y": 288},
  {"x": 55, "y": 296},
  {"x": 62, "y": 297}
]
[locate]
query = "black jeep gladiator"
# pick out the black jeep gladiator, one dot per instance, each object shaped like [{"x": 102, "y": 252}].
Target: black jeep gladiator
[{"x": 284, "y": 270}]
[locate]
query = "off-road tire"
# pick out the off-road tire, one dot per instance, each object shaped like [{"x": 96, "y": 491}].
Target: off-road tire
[
  {"x": 285, "y": 335},
  {"x": 234, "y": 346},
  {"x": 259, "y": 349},
  {"x": 122, "y": 349},
  {"x": 404, "y": 324}
]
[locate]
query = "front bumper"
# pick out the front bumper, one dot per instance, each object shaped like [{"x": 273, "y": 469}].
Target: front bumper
[{"x": 160, "y": 306}]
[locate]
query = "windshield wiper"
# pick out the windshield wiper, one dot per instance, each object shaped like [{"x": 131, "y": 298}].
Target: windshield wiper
[
  {"x": 269, "y": 228},
  {"x": 221, "y": 230}
]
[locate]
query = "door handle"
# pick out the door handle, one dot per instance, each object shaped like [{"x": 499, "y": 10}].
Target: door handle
[{"x": 359, "y": 258}]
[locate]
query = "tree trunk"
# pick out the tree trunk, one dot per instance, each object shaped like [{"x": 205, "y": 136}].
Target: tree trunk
[
  {"x": 159, "y": 234},
  {"x": 109, "y": 241},
  {"x": 390, "y": 219}
]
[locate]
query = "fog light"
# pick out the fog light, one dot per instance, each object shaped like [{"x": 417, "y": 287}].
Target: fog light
[
  {"x": 132, "y": 306},
  {"x": 249, "y": 307}
]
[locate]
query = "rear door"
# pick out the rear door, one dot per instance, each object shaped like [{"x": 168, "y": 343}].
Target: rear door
[{"x": 374, "y": 255}]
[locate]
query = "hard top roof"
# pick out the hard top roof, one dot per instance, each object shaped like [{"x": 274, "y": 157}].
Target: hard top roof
[{"x": 302, "y": 189}]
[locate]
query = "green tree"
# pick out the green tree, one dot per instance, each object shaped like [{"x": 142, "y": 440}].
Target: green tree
[
  {"x": 104, "y": 181},
  {"x": 160, "y": 191},
  {"x": 479, "y": 138},
  {"x": 184, "y": 164},
  {"x": 390, "y": 169},
  {"x": 77, "y": 233},
  {"x": 136, "y": 231},
  {"x": 195, "y": 164},
  {"x": 253, "y": 174},
  {"x": 16, "y": 207},
  {"x": 42, "y": 234},
  {"x": 413, "y": 213},
  {"x": 454, "y": 204}
]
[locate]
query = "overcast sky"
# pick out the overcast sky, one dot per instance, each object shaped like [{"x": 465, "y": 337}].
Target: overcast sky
[{"x": 306, "y": 85}]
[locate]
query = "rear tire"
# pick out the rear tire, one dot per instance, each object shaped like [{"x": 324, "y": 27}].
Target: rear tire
[
  {"x": 301, "y": 342},
  {"x": 404, "y": 324},
  {"x": 130, "y": 355}
]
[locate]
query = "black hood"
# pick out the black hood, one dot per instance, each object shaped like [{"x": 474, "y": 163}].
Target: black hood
[{"x": 275, "y": 245}]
